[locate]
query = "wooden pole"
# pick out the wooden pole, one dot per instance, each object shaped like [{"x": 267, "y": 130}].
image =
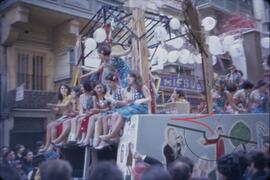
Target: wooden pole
[
  {"x": 198, "y": 33},
  {"x": 140, "y": 51}
]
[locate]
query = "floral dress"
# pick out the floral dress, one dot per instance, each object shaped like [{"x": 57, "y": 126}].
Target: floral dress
[{"x": 118, "y": 67}]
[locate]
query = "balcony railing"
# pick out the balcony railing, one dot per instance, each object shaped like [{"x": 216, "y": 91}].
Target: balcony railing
[
  {"x": 33, "y": 82},
  {"x": 33, "y": 99},
  {"x": 227, "y": 5}
]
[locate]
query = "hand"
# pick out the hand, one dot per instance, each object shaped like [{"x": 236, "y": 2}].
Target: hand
[{"x": 95, "y": 110}]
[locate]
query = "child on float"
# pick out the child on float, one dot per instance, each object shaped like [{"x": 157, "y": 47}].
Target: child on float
[
  {"x": 137, "y": 97},
  {"x": 100, "y": 107},
  {"x": 66, "y": 125},
  {"x": 62, "y": 107}
]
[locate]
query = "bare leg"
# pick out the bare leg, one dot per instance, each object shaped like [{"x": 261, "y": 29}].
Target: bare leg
[
  {"x": 119, "y": 123},
  {"x": 90, "y": 129},
  {"x": 72, "y": 133},
  {"x": 97, "y": 133},
  {"x": 105, "y": 124},
  {"x": 78, "y": 132},
  {"x": 49, "y": 129},
  {"x": 64, "y": 133}
]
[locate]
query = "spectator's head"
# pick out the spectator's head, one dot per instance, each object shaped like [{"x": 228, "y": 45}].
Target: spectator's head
[
  {"x": 228, "y": 167},
  {"x": 64, "y": 90},
  {"x": 180, "y": 170},
  {"x": 9, "y": 155},
  {"x": 39, "y": 146},
  {"x": 257, "y": 161},
  {"x": 7, "y": 172},
  {"x": 247, "y": 85},
  {"x": 156, "y": 172},
  {"x": 171, "y": 136},
  {"x": 139, "y": 169},
  {"x": 188, "y": 161},
  {"x": 27, "y": 155},
  {"x": 4, "y": 149},
  {"x": 104, "y": 53},
  {"x": 55, "y": 170},
  {"x": 19, "y": 148},
  {"x": 106, "y": 171},
  {"x": 261, "y": 85},
  {"x": 243, "y": 161},
  {"x": 37, "y": 160},
  {"x": 266, "y": 148},
  {"x": 181, "y": 94},
  {"x": 86, "y": 86}
]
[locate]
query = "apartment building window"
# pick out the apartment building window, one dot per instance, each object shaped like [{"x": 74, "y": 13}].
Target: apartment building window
[{"x": 30, "y": 70}]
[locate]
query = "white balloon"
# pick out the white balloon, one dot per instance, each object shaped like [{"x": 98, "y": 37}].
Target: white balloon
[
  {"x": 191, "y": 59},
  {"x": 265, "y": 42},
  {"x": 184, "y": 56},
  {"x": 198, "y": 59},
  {"x": 160, "y": 33},
  {"x": 170, "y": 41},
  {"x": 178, "y": 42},
  {"x": 173, "y": 56},
  {"x": 214, "y": 60},
  {"x": 90, "y": 44},
  {"x": 161, "y": 55},
  {"x": 209, "y": 23},
  {"x": 100, "y": 35},
  {"x": 174, "y": 24},
  {"x": 215, "y": 46}
]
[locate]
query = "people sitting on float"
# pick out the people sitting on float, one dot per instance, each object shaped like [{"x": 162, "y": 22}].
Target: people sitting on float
[
  {"x": 259, "y": 98},
  {"x": 100, "y": 107},
  {"x": 222, "y": 97},
  {"x": 66, "y": 125},
  {"x": 116, "y": 98},
  {"x": 79, "y": 123},
  {"x": 178, "y": 96},
  {"x": 137, "y": 97},
  {"x": 62, "y": 108},
  {"x": 110, "y": 63}
]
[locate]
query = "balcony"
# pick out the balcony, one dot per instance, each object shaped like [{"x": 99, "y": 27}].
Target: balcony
[
  {"x": 227, "y": 6},
  {"x": 33, "y": 99}
]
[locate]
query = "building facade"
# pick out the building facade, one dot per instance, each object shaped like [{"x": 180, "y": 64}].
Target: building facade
[{"x": 38, "y": 40}]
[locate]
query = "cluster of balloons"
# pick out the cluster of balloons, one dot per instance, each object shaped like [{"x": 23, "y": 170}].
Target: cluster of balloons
[{"x": 98, "y": 37}]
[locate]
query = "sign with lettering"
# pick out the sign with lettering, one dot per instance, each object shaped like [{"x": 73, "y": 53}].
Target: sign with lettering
[{"x": 182, "y": 82}]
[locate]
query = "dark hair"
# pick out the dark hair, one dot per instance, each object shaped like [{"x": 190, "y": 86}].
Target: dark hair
[
  {"x": 258, "y": 158},
  {"x": 106, "y": 171},
  {"x": 38, "y": 159},
  {"x": 243, "y": 161},
  {"x": 156, "y": 172},
  {"x": 111, "y": 77},
  {"x": 55, "y": 170},
  {"x": 228, "y": 166},
  {"x": 179, "y": 170},
  {"x": 180, "y": 93},
  {"x": 137, "y": 80},
  {"x": 188, "y": 161},
  {"x": 77, "y": 90},
  {"x": 247, "y": 85},
  {"x": 8, "y": 172},
  {"x": 18, "y": 147},
  {"x": 231, "y": 87},
  {"x": 104, "y": 88},
  {"x": 87, "y": 85},
  {"x": 25, "y": 152},
  {"x": 105, "y": 50},
  {"x": 60, "y": 96}
]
